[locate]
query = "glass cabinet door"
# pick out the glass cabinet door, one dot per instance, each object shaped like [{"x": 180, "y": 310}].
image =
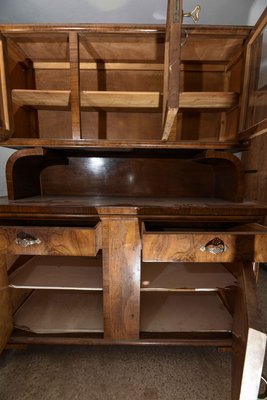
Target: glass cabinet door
[{"x": 254, "y": 103}]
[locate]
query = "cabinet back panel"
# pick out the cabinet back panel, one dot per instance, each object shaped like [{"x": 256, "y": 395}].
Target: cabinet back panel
[
  {"x": 54, "y": 124},
  {"x": 201, "y": 81},
  {"x": 136, "y": 81},
  {"x": 194, "y": 126},
  {"x": 122, "y": 48},
  {"x": 43, "y": 46},
  {"x": 54, "y": 79},
  {"x": 121, "y": 125},
  {"x": 203, "y": 48},
  {"x": 129, "y": 177}
]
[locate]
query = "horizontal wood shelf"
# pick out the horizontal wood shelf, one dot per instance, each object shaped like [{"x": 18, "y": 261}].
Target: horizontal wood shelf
[
  {"x": 109, "y": 99},
  {"x": 168, "y": 277},
  {"x": 91, "y": 66},
  {"x": 183, "y": 312},
  {"x": 78, "y": 207},
  {"x": 100, "y": 144},
  {"x": 120, "y": 99},
  {"x": 60, "y": 312},
  {"x": 208, "y": 100},
  {"x": 123, "y": 66},
  {"x": 72, "y": 273},
  {"x": 41, "y": 98},
  {"x": 81, "y": 273}
]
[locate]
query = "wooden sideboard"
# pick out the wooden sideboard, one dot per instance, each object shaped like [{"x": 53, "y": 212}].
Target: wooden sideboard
[{"x": 130, "y": 216}]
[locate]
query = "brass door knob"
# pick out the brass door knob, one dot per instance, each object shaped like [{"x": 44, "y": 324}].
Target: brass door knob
[{"x": 194, "y": 15}]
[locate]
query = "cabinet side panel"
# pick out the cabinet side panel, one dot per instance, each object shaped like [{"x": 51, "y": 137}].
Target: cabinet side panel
[{"x": 6, "y": 325}]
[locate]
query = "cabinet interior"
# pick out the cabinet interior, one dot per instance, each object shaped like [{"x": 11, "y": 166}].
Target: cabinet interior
[
  {"x": 63, "y": 295},
  {"x": 114, "y": 80},
  {"x": 125, "y": 176}
]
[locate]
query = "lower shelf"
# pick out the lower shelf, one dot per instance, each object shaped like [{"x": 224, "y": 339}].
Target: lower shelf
[
  {"x": 184, "y": 312},
  {"x": 61, "y": 312},
  {"x": 55, "y": 312}
]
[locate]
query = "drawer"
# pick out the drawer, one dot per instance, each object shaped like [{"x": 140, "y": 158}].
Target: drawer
[
  {"x": 243, "y": 242},
  {"x": 70, "y": 241}
]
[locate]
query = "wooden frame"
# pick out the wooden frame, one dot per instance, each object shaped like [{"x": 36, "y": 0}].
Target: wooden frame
[
  {"x": 7, "y": 127},
  {"x": 246, "y": 132},
  {"x": 249, "y": 337},
  {"x": 172, "y": 65}
]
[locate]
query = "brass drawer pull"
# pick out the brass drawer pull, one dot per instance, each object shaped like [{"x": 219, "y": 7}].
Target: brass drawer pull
[
  {"x": 215, "y": 246},
  {"x": 24, "y": 240}
]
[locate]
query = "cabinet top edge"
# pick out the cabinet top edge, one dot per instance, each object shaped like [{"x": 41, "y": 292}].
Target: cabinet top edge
[{"x": 121, "y": 28}]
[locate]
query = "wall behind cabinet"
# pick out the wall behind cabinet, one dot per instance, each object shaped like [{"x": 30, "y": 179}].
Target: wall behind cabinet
[{"x": 219, "y": 12}]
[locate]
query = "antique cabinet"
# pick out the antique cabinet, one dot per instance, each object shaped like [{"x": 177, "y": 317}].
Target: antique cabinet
[{"x": 130, "y": 217}]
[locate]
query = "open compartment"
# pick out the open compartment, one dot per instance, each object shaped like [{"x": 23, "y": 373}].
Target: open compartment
[
  {"x": 59, "y": 273},
  {"x": 60, "y": 312},
  {"x": 182, "y": 313},
  {"x": 121, "y": 79},
  {"x": 53, "y": 295},
  {"x": 185, "y": 277},
  {"x": 180, "y": 299},
  {"x": 40, "y": 96},
  {"x": 114, "y": 83},
  {"x": 125, "y": 176}
]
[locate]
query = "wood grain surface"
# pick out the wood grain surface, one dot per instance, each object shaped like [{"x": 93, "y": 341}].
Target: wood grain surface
[
  {"x": 121, "y": 278},
  {"x": 6, "y": 323},
  {"x": 53, "y": 241}
]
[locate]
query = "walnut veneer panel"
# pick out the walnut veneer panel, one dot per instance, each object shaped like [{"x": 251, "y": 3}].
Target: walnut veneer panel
[
  {"x": 121, "y": 277},
  {"x": 53, "y": 241},
  {"x": 163, "y": 246}
]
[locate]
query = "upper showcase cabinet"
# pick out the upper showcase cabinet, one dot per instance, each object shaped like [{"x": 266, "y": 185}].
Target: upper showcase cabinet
[{"x": 107, "y": 85}]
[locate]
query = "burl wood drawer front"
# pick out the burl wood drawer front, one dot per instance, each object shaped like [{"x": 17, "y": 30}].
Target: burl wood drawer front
[
  {"x": 247, "y": 243},
  {"x": 50, "y": 240}
]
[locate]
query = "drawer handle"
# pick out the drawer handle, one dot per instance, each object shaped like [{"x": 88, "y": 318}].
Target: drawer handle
[
  {"x": 215, "y": 246},
  {"x": 24, "y": 240}
]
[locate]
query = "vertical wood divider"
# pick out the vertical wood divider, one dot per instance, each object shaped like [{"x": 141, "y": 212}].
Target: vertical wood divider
[
  {"x": 75, "y": 85},
  {"x": 223, "y": 134},
  {"x": 34, "y": 122},
  {"x": 172, "y": 66},
  {"x": 121, "y": 277},
  {"x": 6, "y": 101}
]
